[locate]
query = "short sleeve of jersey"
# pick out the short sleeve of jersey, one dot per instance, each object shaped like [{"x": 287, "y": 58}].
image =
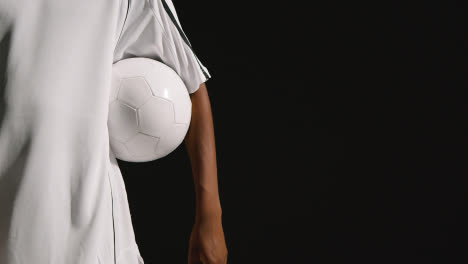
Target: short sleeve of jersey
[{"x": 151, "y": 29}]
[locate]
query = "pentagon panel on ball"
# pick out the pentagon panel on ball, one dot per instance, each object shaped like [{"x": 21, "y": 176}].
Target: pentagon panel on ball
[{"x": 149, "y": 110}]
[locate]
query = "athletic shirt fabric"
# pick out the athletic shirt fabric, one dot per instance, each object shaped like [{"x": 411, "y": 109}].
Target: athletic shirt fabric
[{"x": 62, "y": 195}]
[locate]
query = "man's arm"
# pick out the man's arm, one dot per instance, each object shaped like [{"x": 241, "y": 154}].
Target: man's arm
[{"x": 207, "y": 241}]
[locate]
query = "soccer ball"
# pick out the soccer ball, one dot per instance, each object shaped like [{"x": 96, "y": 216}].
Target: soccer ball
[{"x": 149, "y": 110}]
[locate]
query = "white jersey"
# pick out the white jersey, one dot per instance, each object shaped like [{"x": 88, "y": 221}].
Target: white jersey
[{"x": 62, "y": 196}]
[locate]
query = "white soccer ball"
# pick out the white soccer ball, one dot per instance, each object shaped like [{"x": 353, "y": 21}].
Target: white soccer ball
[{"x": 149, "y": 110}]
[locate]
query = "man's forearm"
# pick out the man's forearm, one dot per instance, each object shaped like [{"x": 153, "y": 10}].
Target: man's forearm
[{"x": 200, "y": 143}]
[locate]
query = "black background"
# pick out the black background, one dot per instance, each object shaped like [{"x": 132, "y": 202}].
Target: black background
[{"x": 339, "y": 130}]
